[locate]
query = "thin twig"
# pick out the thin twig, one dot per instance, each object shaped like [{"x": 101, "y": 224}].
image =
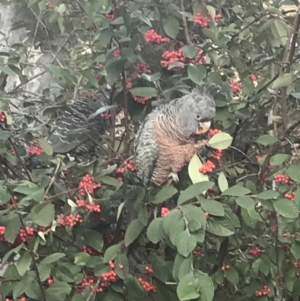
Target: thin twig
[{"x": 185, "y": 25}]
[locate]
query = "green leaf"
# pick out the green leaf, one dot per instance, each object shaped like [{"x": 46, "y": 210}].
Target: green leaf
[
  {"x": 245, "y": 202},
  {"x": 268, "y": 195},
  {"x": 222, "y": 182},
  {"x": 218, "y": 229},
  {"x": 24, "y": 263},
  {"x": 114, "y": 68},
  {"x": 213, "y": 207},
  {"x": 12, "y": 229},
  {"x": 82, "y": 258},
  {"x": 284, "y": 80},
  {"x": 164, "y": 194},
  {"x": 279, "y": 159},
  {"x": 112, "y": 252},
  {"x": 185, "y": 243},
  {"x": 155, "y": 230},
  {"x": 293, "y": 173},
  {"x": 88, "y": 74},
  {"x": 186, "y": 289},
  {"x": 236, "y": 190},
  {"x": 43, "y": 214},
  {"x": 53, "y": 258},
  {"x": 232, "y": 276},
  {"x": 286, "y": 208},
  {"x": 94, "y": 239},
  {"x": 59, "y": 288},
  {"x": 266, "y": 140},
  {"x": 220, "y": 141},
  {"x": 4, "y": 194},
  {"x": 295, "y": 250},
  {"x": 205, "y": 285},
  {"x": 46, "y": 146},
  {"x": 193, "y": 191},
  {"x": 196, "y": 73},
  {"x": 171, "y": 27},
  {"x": 144, "y": 91},
  {"x": 193, "y": 170},
  {"x": 189, "y": 51},
  {"x": 134, "y": 229}
]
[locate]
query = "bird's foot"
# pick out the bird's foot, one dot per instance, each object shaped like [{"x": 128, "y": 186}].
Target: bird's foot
[
  {"x": 174, "y": 176},
  {"x": 200, "y": 144}
]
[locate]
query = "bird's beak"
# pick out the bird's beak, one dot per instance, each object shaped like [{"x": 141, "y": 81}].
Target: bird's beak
[{"x": 203, "y": 127}]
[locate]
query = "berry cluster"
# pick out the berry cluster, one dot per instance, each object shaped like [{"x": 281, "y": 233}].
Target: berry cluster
[
  {"x": 129, "y": 83},
  {"x": 110, "y": 277},
  {"x": 50, "y": 280},
  {"x": 69, "y": 220},
  {"x": 152, "y": 37},
  {"x": 22, "y": 236},
  {"x": 35, "y": 149},
  {"x": 110, "y": 16},
  {"x": 297, "y": 264},
  {"x": 217, "y": 154},
  {"x": 207, "y": 167},
  {"x": 2, "y": 117},
  {"x": 21, "y": 299},
  {"x": 255, "y": 251},
  {"x": 148, "y": 287},
  {"x": 235, "y": 87},
  {"x": 88, "y": 184},
  {"x": 164, "y": 211},
  {"x": 203, "y": 20},
  {"x": 87, "y": 282},
  {"x": 173, "y": 56},
  {"x": 197, "y": 252},
  {"x": 105, "y": 115},
  {"x": 253, "y": 77},
  {"x": 109, "y": 237},
  {"x": 225, "y": 267},
  {"x": 116, "y": 53},
  {"x": 92, "y": 207},
  {"x": 50, "y": 5},
  {"x": 130, "y": 165},
  {"x": 89, "y": 250},
  {"x": 212, "y": 132},
  {"x": 143, "y": 68},
  {"x": 290, "y": 196},
  {"x": 263, "y": 292},
  {"x": 282, "y": 179},
  {"x": 141, "y": 99},
  {"x": 149, "y": 269}
]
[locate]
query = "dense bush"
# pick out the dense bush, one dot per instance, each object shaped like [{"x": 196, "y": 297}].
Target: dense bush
[{"x": 229, "y": 229}]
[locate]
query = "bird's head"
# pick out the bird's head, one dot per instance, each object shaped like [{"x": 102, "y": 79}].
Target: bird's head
[{"x": 200, "y": 109}]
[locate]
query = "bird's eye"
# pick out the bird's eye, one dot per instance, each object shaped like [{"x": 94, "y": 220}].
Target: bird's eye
[{"x": 198, "y": 117}]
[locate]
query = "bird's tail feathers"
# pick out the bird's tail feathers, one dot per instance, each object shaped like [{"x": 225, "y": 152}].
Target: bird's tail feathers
[{"x": 206, "y": 89}]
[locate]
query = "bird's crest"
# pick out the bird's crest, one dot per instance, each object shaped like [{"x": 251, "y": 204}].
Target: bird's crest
[{"x": 206, "y": 89}]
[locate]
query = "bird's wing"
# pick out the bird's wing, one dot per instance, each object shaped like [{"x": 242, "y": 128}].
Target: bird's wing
[
  {"x": 72, "y": 127},
  {"x": 146, "y": 150}
]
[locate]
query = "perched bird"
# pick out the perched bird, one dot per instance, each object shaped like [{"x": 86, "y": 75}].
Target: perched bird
[
  {"x": 165, "y": 141},
  {"x": 80, "y": 128}
]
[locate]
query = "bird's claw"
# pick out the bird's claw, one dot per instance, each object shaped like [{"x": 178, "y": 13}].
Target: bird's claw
[
  {"x": 174, "y": 177},
  {"x": 200, "y": 144}
]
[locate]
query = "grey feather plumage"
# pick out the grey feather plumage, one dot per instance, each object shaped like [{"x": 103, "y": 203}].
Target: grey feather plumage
[
  {"x": 178, "y": 119},
  {"x": 74, "y": 133}
]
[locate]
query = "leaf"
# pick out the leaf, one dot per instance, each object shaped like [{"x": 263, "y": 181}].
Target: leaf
[
  {"x": 279, "y": 159},
  {"x": 171, "y": 27},
  {"x": 4, "y": 194},
  {"x": 193, "y": 191},
  {"x": 286, "y": 208},
  {"x": 245, "y": 202},
  {"x": 220, "y": 141},
  {"x": 266, "y": 140},
  {"x": 185, "y": 243},
  {"x": 205, "y": 285},
  {"x": 186, "y": 289},
  {"x": 59, "y": 288},
  {"x": 284, "y": 80},
  {"x": 42, "y": 214},
  {"x": 222, "y": 182},
  {"x": 196, "y": 73},
  {"x": 24, "y": 263},
  {"x": 213, "y": 207},
  {"x": 236, "y": 190},
  {"x": 295, "y": 250},
  {"x": 12, "y": 229},
  {"x": 94, "y": 239},
  {"x": 144, "y": 91},
  {"x": 112, "y": 252},
  {"x": 232, "y": 276},
  {"x": 164, "y": 194},
  {"x": 193, "y": 170},
  {"x": 189, "y": 51},
  {"x": 211, "y": 11},
  {"x": 218, "y": 229},
  {"x": 53, "y": 258},
  {"x": 293, "y": 173},
  {"x": 133, "y": 231},
  {"x": 46, "y": 146},
  {"x": 155, "y": 230},
  {"x": 88, "y": 74},
  {"x": 268, "y": 195},
  {"x": 82, "y": 258},
  {"x": 114, "y": 68}
]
